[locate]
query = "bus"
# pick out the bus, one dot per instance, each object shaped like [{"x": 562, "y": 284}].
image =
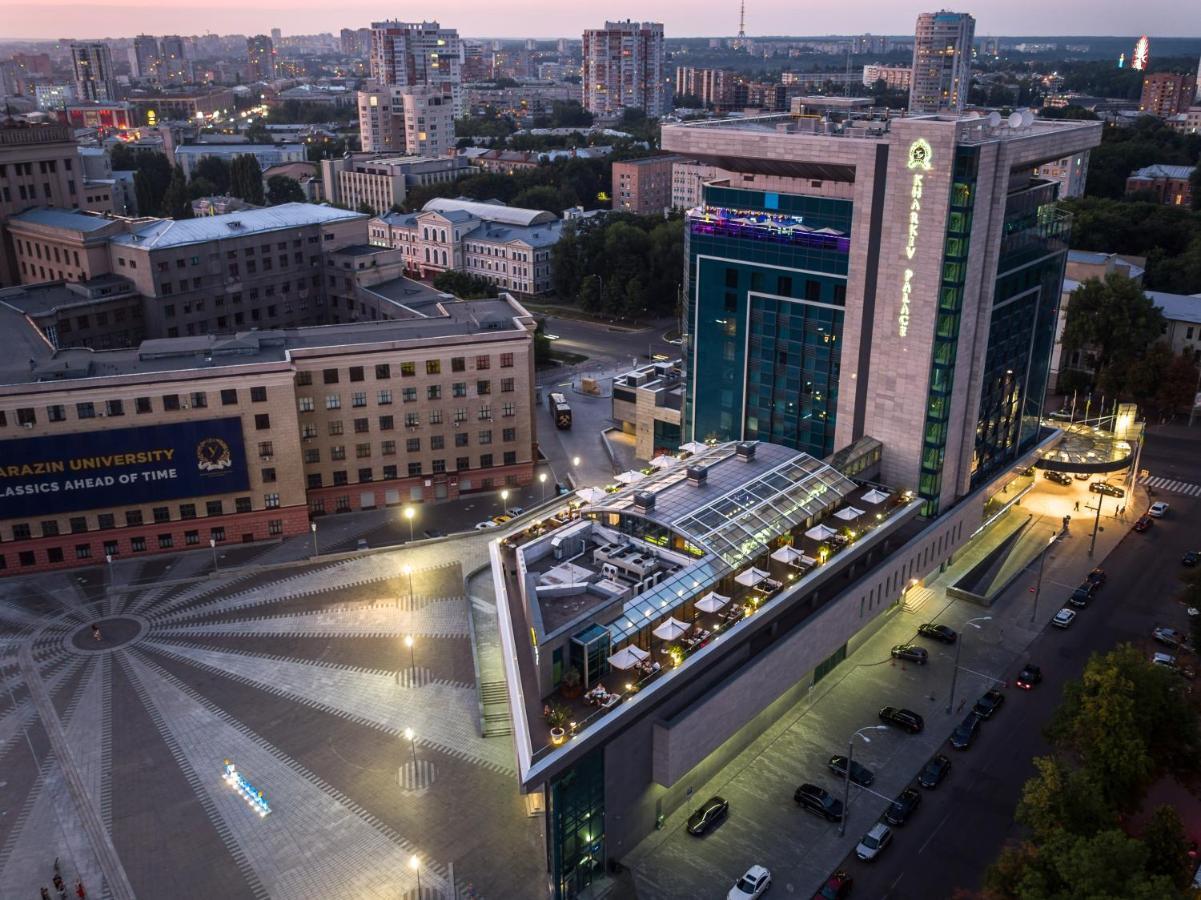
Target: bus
[{"x": 560, "y": 409}]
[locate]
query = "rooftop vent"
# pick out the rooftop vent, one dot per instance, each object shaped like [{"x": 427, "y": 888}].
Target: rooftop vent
[
  {"x": 644, "y": 501},
  {"x": 697, "y": 475},
  {"x": 745, "y": 451},
  {"x": 233, "y": 225}
]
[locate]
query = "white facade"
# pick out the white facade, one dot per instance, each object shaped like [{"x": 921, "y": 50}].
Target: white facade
[
  {"x": 1071, "y": 172},
  {"x": 624, "y": 68},
  {"x": 942, "y": 62},
  {"x": 687, "y": 179},
  {"x": 412, "y": 54},
  {"x": 896, "y": 78},
  {"x": 418, "y": 121}
]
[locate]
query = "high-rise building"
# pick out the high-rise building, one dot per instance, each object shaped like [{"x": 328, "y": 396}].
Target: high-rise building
[
  {"x": 277, "y": 36},
  {"x": 94, "y": 77},
  {"x": 260, "y": 54},
  {"x": 173, "y": 64},
  {"x": 643, "y": 186},
  {"x": 1165, "y": 94},
  {"x": 417, "y": 120},
  {"x": 414, "y": 54},
  {"x": 356, "y": 42},
  {"x": 942, "y": 62},
  {"x": 902, "y": 284},
  {"x": 144, "y": 57},
  {"x": 624, "y": 69},
  {"x": 713, "y": 87}
]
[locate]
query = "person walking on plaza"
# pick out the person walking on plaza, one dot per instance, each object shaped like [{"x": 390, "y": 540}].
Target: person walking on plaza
[
  {"x": 79, "y": 891},
  {"x": 45, "y": 893}
]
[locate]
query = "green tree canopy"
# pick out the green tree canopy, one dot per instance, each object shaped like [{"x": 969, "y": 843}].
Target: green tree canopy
[
  {"x": 282, "y": 189},
  {"x": 246, "y": 179},
  {"x": 1060, "y": 796},
  {"x": 177, "y": 202},
  {"x": 1115, "y": 321},
  {"x": 1168, "y": 847},
  {"x": 464, "y": 285},
  {"x": 215, "y": 170}
]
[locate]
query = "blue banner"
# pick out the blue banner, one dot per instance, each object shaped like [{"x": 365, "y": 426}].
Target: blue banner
[{"x": 116, "y": 467}]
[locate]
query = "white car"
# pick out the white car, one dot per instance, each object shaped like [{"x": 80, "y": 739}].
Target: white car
[
  {"x": 1167, "y": 660},
  {"x": 874, "y": 842},
  {"x": 1158, "y": 510},
  {"x": 754, "y": 883},
  {"x": 487, "y": 523},
  {"x": 1168, "y": 636},
  {"x": 1064, "y": 618}
]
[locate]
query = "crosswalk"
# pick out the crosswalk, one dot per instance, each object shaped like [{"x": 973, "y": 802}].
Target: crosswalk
[{"x": 1172, "y": 486}]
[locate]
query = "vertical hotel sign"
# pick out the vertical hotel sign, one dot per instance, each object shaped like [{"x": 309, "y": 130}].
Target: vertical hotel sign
[{"x": 919, "y": 163}]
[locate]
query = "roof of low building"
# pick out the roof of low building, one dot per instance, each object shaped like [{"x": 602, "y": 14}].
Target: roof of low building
[
  {"x": 1177, "y": 307},
  {"x": 234, "y": 149},
  {"x": 1160, "y": 170},
  {"x": 68, "y": 219},
  {"x": 171, "y": 232},
  {"x": 491, "y": 212}
]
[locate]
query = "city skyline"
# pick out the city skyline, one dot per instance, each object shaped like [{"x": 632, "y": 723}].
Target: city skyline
[{"x": 98, "y": 20}]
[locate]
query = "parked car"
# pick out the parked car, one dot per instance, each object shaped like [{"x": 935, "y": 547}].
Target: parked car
[
  {"x": 434, "y": 533},
  {"x": 487, "y": 523},
  {"x": 934, "y": 772},
  {"x": 910, "y": 653},
  {"x": 1097, "y": 578},
  {"x": 903, "y": 807},
  {"x": 1158, "y": 510},
  {"x": 965, "y": 732},
  {"x": 989, "y": 704},
  {"x": 1029, "y": 676},
  {"x": 860, "y": 774},
  {"x": 905, "y": 719},
  {"x": 1104, "y": 487},
  {"x": 837, "y": 887},
  {"x": 937, "y": 632},
  {"x": 1080, "y": 597},
  {"x": 361, "y": 544},
  {"x": 818, "y": 801},
  {"x": 1081, "y": 476},
  {"x": 1167, "y": 660},
  {"x": 1057, "y": 477},
  {"x": 1190, "y": 558},
  {"x": 875, "y": 842},
  {"x": 502, "y": 518},
  {"x": 1143, "y": 523},
  {"x": 1064, "y": 618},
  {"x": 516, "y": 510},
  {"x": 1169, "y": 637},
  {"x": 705, "y": 819},
  {"x": 753, "y": 884}
]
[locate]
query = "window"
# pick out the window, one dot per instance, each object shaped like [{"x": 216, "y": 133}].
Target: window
[
  {"x": 271, "y": 501},
  {"x": 485, "y": 413},
  {"x": 85, "y": 410},
  {"x": 258, "y": 395},
  {"x": 412, "y": 420},
  {"x": 329, "y": 376},
  {"x": 408, "y": 369},
  {"x": 433, "y": 392},
  {"x": 335, "y": 428},
  {"x": 459, "y": 389},
  {"x": 510, "y": 458},
  {"x": 83, "y": 551},
  {"x": 191, "y": 538},
  {"x": 435, "y": 417},
  {"x": 364, "y": 475},
  {"x": 50, "y": 529},
  {"x": 262, "y": 421},
  {"x": 439, "y": 466},
  {"x": 275, "y": 526},
  {"x": 383, "y": 398},
  {"x": 340, "y": 477},
  {"x": 214, "y": 508},
  {"x": 171, "y": 402},
  {"x": 483, "y": 388},
  {"x": 508, "y": 410},
  {"x": 483, "y": 362},
  {"x": 461, "y": 439},
  {"x": 304, "y": 379},
  {"x": 142, "y": 405},
  {"x": 137, "y": 544},
  {"x": 433, "y": 367},
  {"x": 26, "y": 416},
  {"x": 356, "y": 373},
  {"x": 56, "y": 413},
  {"x": 506, "y": 385},
  {"x": 242, "y": 504},
  {"x": 337, "y": 452},
  {"x": 305, "y": 404},
  {"x": 408, "y": 395},
  {"x": 485, "y": 437},
  {"x": 229, "y": 397},
  {"x": 462, "y": 463},
  {"x": 387, "y": 448},
  {"x": 314, "y": 480},
  {"x": 268, "y": 475},
  {"x": 333, "y": 401},
  {"x": 413, "y": 445},
  {"x": 414, "y": 469},
  {"x": 362, "y": 451},
  {"x": 308, "y": 432},
  {"x": 485, "y": 460},
  {"x": 358, "y": 399},
  {"x": 165, "y": 542},
  {"x": 460, "y": 415},
  {"x": 506, "y": 360},
  {"x": 217, "y": 534},
  {"x": 362, "y": 426},
  {"x": 385, "y": 423},
  {"x": 133, "y": 517},
  {"x": 114, "y": 407},
  {"x": 199, "y": 400},
  {"x": 389, "y": 473},
  {"x": 106, "y": 521},
  {"x": 162, "y": 514},
  {"x": 187, "y": 510},
  {"x": 21, "y": 532},
  {"x": 509, "y": 435},
  {"x": 382, "y": 371},
  {"x": 458, "y": 364}
]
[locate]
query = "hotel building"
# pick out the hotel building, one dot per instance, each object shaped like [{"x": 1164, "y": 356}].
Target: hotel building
[{"x": 898, "y": 278}]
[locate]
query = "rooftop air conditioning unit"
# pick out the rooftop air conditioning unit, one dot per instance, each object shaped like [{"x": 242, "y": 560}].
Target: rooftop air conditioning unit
[
  {"x": 745, "y": 451},
  {"x": 697, "y": 475}
]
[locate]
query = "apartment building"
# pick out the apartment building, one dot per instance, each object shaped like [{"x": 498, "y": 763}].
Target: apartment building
[
  {"x": 95, "y": 79},
  {"x": 418, "y": 54},
  {"x": 942, "y": 62},
  {"x": 713, "y": 87},
  {"x": 688, "y": 177},
  {"x": 415, "y": 121},
  {"x": 624, "y": 67},
  {"x": 895, "y": 78},
  {"x": 644, "y": 186},
  {"x": 1165, "y": 94},
  {"x": 382, "y": 181},
  {"x": 1169, "y": 185}
]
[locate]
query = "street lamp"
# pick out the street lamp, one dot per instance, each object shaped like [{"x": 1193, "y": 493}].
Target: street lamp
[
  {"x": 409, "y": 513},
  {"x": 213, "y": 547},
  {"x": 542, "y": 481},
  {"x": 412, "y": 739},
  {"x": 958, "y": 649},
  {"x": 415, "y": 865},
  {"x": 846, "y": 782},
  {"x": 1038, "y": 587},
  {"x": 504, "y": 499},
  {"x": 313, "y": 528},
  {"x": 412, "y": 658}
]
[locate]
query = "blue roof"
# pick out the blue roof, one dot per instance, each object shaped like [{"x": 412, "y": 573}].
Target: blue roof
[{"x": 71, "y": 219}]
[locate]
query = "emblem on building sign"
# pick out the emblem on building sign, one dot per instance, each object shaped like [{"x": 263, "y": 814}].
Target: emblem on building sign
[
  {"x": 921, "y": 158},
  {"x": 212, "y": 455}
]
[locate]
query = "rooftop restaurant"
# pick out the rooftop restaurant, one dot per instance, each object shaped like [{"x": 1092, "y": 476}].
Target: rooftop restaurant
[{"x": 619, "y": 591}]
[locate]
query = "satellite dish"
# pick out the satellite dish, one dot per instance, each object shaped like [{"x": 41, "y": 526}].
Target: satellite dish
[
  {"x": 1015, "y": 120},
  {"x": 994, "y": 119},
  {"x": 1027, "y": 118}
]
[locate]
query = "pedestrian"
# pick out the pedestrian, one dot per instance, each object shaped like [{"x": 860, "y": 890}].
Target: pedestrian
[
  {"x": 1076, "y": 508},
  {"x": 58, "y": 883},
  {"x": 79, "y": 891},
  {"x": 95, "y": 632},
  {"x": 45, "y": 893}
]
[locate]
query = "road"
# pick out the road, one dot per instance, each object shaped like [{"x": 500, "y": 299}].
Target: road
[{"x": 962, "y": 825}]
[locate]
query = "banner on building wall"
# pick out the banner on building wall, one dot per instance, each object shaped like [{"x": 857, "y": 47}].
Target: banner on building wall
[{"x": 43, "y": 476}]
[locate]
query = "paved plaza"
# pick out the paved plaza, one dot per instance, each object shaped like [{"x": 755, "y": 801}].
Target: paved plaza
[{"x": 112, "y": 748}]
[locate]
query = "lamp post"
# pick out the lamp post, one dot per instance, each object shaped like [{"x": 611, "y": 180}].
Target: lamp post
[
  {"x": 1092, "y": 543},
  {"x": 415, "y": 865},
  {"x": 504, "y": 500},
  {"x": 412, "y": 658},
  {"x": 409, "y": 513},
  {"x": 411, "y": 737},
  {"x": 1038, "y": 587},
  {"x": 846, "y": 781},
  {"x": 542, "y": 481},
  {"x": 958, "y": 649},
  {"x": 213, "y": 547},
  {"x": 108, "y": 558},
  {"x": 313, "y": 528}
]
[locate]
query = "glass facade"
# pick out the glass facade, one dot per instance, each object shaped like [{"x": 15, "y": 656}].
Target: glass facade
[
  {"x": 1022, "y": 328},
  {"x": 575, "y": 814},
  {"x": 767, "y": 287}
]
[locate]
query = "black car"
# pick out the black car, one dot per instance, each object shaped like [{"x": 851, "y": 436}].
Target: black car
[
  {"x": 1057, "y": 477},
  {"x": 1109, "y": 490},
  {"x": 706, "y": 818},
  {"x": 1029, "y": 676},
  {"x": 939, "y": 633},
  {"x": 934, "y": 772},
  {"x": 859, "y": 774},
  {"x": 1080, "y": 597},
  {"x": 989, "y": 704},
  {"x": 1096, "y": 578},
  {"x": 434, "y": 533},
  {"x": 1190, "y": 559},
  {"x": 905, "y": 719},
  {"x": 962, "y": 736},
  {"x": 910, "y": 653},
  {"x": 903, "y": 807},
  {"x": 819, "y": 802}
]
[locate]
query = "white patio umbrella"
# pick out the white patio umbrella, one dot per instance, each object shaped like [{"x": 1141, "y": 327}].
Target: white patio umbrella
[
  {"x": 820, "y": 533},
  {"x": 591, "y": 494},
  {"x": 694, "y": 447},
  {"x": 627, "y": 657},
  {"x": 875, "y": 496},
  {"x": 671, "y": 629},
  {"x": 787, "y": 555},
  {"x": 711, "y": 602},
  {"x": 662, "y": 462},
  {"x": 849, "y": 513},
  {"x": 750, "y": 577},
  {"x": 629, "y": 477}
]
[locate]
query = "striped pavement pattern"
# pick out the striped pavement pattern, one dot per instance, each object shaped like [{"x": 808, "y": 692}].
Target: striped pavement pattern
[{"x": 1172, "y": 486}]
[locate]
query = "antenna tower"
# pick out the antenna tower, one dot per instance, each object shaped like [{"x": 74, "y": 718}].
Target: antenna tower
[{"x": 742, "y": 23}]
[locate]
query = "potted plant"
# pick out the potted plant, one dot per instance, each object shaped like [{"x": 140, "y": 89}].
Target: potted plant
[
  {"x": 557, "y": 717},
  {"x": 571, "y": 684}
]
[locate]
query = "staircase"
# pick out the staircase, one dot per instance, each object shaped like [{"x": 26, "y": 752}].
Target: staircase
[{"x": 495, "y": 697}]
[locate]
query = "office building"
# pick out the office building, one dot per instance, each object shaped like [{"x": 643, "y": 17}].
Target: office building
[
  {"x": 813, "y": 318},
  {"x": 1169, "y": 185},
  {"x": 95, "y": 79},
  {"x": 505, "y": 245},
  {"x": 250, "y": 436},
  {"x": 418, "y": 55},
  {"x": 144, "y": 57},
  {"x": 260, "y": 58},
  {"x": 1166, "y": 94},
  {"x": 623, "y": 68},
  {"x": 643, "y": 186},
  {"x": 646, "y": 403},
  {"x": 688, "y": 177},
  {"x": 942, "y": 62},
  {"x": 382, "y": 181},
  {"x": 413, "y": 121},
  {"x": 895, "y": 78},
  {"x": 713, "y": 87}
]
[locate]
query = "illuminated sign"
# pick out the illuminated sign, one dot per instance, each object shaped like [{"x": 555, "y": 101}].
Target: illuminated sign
[{"x": 919, "y": 162}]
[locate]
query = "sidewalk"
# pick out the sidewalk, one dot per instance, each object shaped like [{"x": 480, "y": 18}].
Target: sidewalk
[{"x": 764, "y": 826}]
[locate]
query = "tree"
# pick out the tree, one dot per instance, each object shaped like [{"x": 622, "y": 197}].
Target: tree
[
  {"x": 122, "y": 158},
  {"x": 259, "y": 134},
  {"x": 542, "y": 349},
  {"x": 1063, "y": 797},
  {"x": 1168, "y": 847},
  {"x": 152, "y": 175},
  {"x": 366, "y": 209},
  {"x": 541, "y": 197},
  {"x": 215, "y": 170},
  {"x": 282, "y": 189},
  {"x": 246, "y": 179},
  {"x": 177, "y": 203},
  {"x": 464, "y": 285},
  {"x": 1114, "y": 319},
  {"x": 201, "y": 187}
]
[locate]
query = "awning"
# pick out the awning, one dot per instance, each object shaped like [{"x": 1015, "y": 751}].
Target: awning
[
  {"x": 874, "y": 496},
  {"x": 663, "y": 462},
  {"x": 750, "y": 577},
  {"x": 591, "y": 494},
  {"x": 849, "y": 513},
  {"x": 629, "y": 477},
  {"x": 627, "y": 657},
  {"x": 694, "y": 447},
  {"x": 820, "y": 533},
  {"x": 711, "y": 602},
  {"x": 670, "y": 629},
  {"x": 787, "y": 555}
]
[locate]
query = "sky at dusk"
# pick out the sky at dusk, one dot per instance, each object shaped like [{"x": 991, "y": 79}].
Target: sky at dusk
[{"x": 556, "y": 18}]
